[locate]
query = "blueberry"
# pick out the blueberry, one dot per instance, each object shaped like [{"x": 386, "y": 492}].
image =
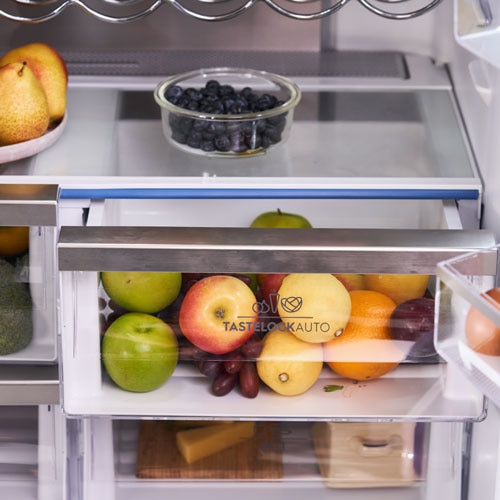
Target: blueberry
[
  {"x": 246, "y": 92},
  {"x": 185, "y": 125},
  {"x": 238, "y": 144},
  {"x": 209, "y": 131},
  {"x": 218, "y": 108},
  {"x": 273, "y": 134},
  {"x": 260, "y": 126},
  {"x": 193, "y": 94},
  {"x": 226, "y": 90},
  {"x": 266, "y": 101},
  {"x": 200, "y": 125},
  {"x": 207, "y": 145},
  {"x": 193, "y": 105},
  {"x": 179, "y": 137},
  {"x": 183, "y": 101},
  {"x": 247, "y": 129},
  {"x": 194, "y": 139},
  {"x": 278, "y": 121},
  {"x": 222, "y": 143},
  {"x": 265, "y": 141},
  {"x": 211, "y": 87},
  {"x": 227, "y": 103},
  {"x": 173, "y": 92}
]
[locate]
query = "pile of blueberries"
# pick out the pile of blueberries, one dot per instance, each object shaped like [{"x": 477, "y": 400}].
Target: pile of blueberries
[{"x": 219, "y": 135}]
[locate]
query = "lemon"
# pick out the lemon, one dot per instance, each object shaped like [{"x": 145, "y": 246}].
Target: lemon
[
  {"x": 315, "y": 307},
  {"x": 399, "y": 287},
  {"x": 288, "y": 365}
]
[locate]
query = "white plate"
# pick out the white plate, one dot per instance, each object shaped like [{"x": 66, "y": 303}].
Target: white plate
[{"x": 29, "y": 148}]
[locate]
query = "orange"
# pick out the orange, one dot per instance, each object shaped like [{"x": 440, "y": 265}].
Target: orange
[
  {"x": 14, "y": 240},
  {"x": 365, "y": 350},
  {"x": 399, "y": 287}
]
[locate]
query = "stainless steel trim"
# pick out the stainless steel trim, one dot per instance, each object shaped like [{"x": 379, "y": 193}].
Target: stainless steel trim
[
  {"x": 149, "y": 7},
  {"x": 28, "y": 205},
  {"x": 29, "y": 384},
  {"x": 237, "y": 250}
]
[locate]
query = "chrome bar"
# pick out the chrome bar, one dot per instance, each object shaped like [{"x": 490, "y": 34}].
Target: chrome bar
[
  {"x": 28, "y": 204},
  {"x": 62, "y": 5},
  {"x": 252, "y": 250}
]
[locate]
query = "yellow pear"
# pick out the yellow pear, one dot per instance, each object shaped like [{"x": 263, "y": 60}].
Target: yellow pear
[
  {"x": 50, "y": 69},
  {"x": 24, "y": 112}
]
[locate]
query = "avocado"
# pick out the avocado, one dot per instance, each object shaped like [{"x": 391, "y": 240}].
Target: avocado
[{"x": 16, "y": 324}]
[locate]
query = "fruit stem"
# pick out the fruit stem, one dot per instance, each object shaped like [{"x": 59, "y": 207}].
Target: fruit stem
[
  {"x": 20, "y": 72},
  {"x": 283, "y": 377},
  {"x": 279, "y": 211}
]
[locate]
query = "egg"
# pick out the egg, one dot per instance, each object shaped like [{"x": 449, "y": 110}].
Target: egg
[{"x": 482, "y": 334}]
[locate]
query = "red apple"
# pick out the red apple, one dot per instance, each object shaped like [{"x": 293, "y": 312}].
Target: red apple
[{"x": 218, "y": 314}]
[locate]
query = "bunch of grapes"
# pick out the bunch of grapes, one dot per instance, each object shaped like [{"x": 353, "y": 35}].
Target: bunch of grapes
[{"x": 236, "y": 369}]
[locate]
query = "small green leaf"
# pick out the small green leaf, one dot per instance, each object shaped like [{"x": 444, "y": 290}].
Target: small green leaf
[{"x": 332, "y": 388}]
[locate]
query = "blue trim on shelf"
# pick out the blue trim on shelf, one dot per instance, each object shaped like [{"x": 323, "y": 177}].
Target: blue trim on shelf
[{"x": 259, "y": 193}]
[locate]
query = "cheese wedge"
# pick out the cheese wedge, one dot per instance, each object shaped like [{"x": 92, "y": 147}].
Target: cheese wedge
[
  {"x": 195, "y": 444},
  {"x": 191, "y": 424}
]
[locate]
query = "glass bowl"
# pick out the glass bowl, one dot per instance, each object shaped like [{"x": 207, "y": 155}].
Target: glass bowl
[{"x": 228, "y": 112}]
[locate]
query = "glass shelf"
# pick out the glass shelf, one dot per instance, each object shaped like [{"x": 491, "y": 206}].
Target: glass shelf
[{"x": 367, "y": 137}]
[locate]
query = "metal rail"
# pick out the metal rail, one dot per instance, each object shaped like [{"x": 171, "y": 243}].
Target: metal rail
[{"x": 108, "y": 10}]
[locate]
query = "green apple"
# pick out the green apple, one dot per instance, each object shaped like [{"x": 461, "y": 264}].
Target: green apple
[
  {"x": 218, "y": 314},
  {"x": 147, "y": 292},
  {"x": 139, "y": 352},
  {"x": 278, "y": 219}
]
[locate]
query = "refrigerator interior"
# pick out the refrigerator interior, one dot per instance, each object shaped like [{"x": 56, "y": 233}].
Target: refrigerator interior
[{"x": 110, "y": 473}]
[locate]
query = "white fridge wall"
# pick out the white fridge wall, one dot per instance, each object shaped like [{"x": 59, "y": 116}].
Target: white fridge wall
[{"x": 477, "y": 84}]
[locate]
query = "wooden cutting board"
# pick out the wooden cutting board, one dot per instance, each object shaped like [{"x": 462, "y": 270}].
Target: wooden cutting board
[{"x": 259, "y": 457}]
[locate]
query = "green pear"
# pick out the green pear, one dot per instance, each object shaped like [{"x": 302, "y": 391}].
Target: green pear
[
  {"x": 278, "y": 219},
  {"x": 24, "y": 111}
]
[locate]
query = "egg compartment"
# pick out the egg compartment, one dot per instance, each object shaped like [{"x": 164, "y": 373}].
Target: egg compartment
[{"x": 462, "y": 283}]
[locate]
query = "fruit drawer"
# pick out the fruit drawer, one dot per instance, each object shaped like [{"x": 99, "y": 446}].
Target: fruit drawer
[
  {"x": 268, "y": 323},
  {"x": 28, "y": 274},
  {"x": 468, "y": 317}
]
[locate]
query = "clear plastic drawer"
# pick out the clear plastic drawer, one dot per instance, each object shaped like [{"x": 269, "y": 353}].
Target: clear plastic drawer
[
  {"x": 28, "y": 328},
  {"x": 130, "y": 235}
]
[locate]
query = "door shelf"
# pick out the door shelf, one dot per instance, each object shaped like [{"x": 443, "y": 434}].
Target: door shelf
[{"x": 463, "y": 283}]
